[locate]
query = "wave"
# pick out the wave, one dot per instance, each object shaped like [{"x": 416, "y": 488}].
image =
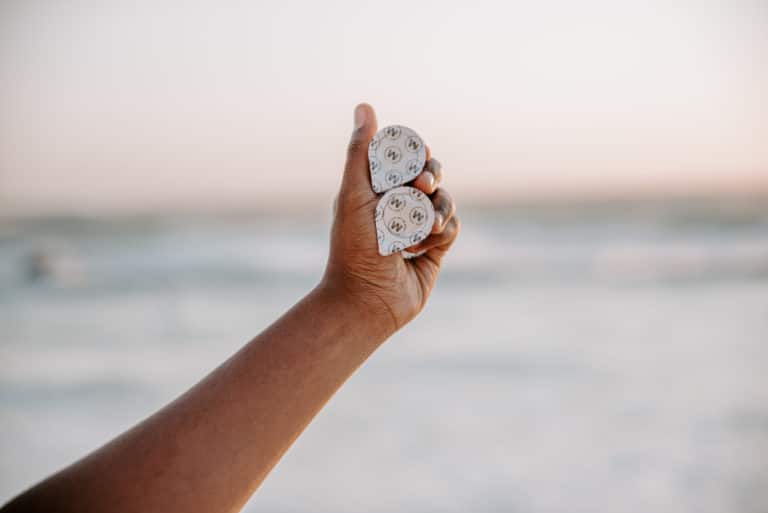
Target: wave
[{"x": 510, "y": 244}]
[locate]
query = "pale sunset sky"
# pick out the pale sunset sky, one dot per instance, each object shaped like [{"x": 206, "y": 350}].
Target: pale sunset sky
[{"x": 137, "y": 105}]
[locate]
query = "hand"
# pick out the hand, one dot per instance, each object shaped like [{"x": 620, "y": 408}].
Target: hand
[{"x": 391, "y": 286}]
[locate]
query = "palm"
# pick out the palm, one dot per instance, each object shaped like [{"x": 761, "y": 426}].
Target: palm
[{"x": 403, "y": 285}]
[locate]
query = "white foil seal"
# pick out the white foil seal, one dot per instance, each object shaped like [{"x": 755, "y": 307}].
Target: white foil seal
[
  {"x": 404, "y": 217},
  {"x": 396, "y": 155}
]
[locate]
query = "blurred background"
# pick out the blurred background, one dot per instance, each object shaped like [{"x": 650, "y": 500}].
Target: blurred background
[{"x": 597, "y": 341}]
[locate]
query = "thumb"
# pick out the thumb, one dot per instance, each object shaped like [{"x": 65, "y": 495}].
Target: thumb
[{"x": 356, "y": 175}]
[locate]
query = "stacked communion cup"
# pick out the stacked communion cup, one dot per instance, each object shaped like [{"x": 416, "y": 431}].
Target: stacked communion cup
[{"x": 404, "y": 215}]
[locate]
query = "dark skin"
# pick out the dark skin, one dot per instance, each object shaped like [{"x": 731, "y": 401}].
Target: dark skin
[{"x": 211, "y": 448}]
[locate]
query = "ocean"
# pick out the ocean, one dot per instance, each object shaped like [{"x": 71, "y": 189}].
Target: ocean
[{"x": 574, "y": 357}]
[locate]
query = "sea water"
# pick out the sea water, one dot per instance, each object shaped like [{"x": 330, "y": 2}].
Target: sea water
[{"x": 573, "y": 358}]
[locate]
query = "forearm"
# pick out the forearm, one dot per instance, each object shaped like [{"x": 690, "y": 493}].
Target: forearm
[{"x": 211, "y": 448}]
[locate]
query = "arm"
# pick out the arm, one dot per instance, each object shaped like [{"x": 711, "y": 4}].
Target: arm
[{"x": 210, "y": 449}]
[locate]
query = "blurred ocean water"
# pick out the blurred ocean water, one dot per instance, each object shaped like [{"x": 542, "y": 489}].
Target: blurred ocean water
[{"x": 591, "y": 357}]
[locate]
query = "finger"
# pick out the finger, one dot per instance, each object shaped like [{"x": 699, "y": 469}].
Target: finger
[
  {"x": 356, "y": 175},
  {"x": 442, "y": 240},
  {"x": 427, "y": 151},
  {"x": 436, "y": 168},
  {"x": 430, "y": 178},
  {"x": 437, "y": 253},
  {"x": 444, "y": 209}
]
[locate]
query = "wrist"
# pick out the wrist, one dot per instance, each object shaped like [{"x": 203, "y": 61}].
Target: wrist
[{"x": 365, "y": 313}]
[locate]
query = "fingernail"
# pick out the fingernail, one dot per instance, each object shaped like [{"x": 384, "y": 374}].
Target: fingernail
[
  {"x": 359, "y": 116},
  {"x": 430, "y": 179},
  {"x": 438, "y": 219}
]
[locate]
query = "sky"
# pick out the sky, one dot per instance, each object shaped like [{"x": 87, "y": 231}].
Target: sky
[{"x": 136, "y": 105}]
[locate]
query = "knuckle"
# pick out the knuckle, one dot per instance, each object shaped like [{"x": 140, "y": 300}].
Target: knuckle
[
  {"x": 447, "y": 231},
  {"x": 452, "y": 226},
  {"x": 358, "y": 142},
  {"x": 456, "y": 224},
  {"x": 438, "y": 197},
  {"x": 436, "y": 169},
  {"x": 449, "y": 234},
  {"x": 446, "y": 205},
  {"x": 355, "y": 146}
]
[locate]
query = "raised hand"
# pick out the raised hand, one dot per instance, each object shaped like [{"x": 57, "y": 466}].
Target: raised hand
[{"x": 391, "y": 286}]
